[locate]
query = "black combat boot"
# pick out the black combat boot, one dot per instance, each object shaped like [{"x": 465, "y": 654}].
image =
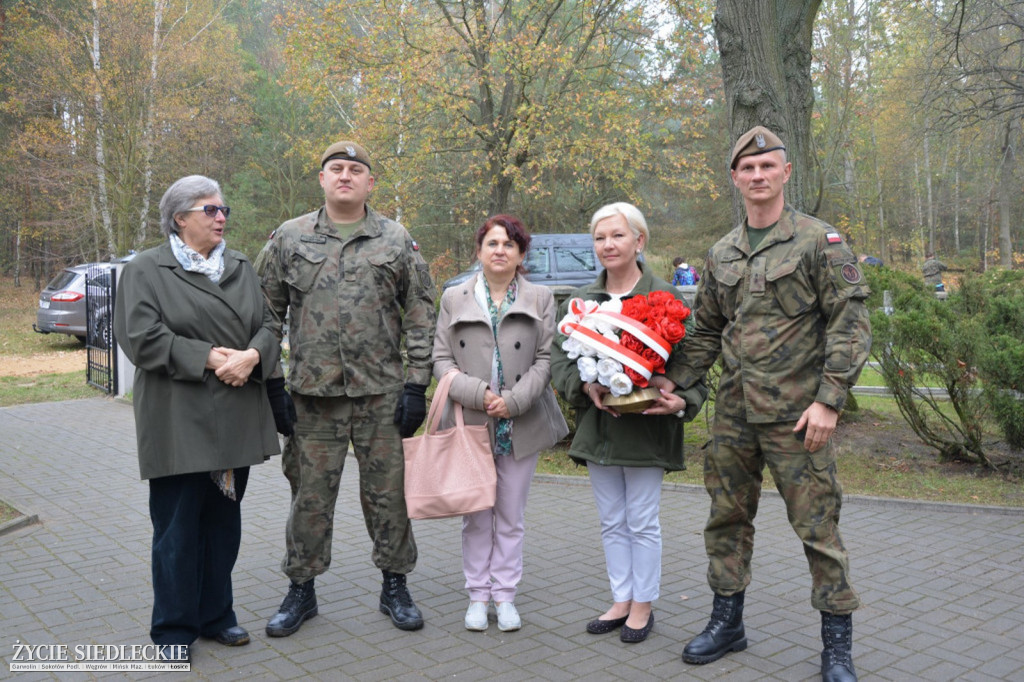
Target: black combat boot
[
  {"x": 299, "y": 605},
  {"x": 396, "y": 602},
  {"x": 724, "y": 632},
  {"x": 836, "y": 659}
]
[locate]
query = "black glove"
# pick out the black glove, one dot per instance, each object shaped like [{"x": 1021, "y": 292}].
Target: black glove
[
  {"x": 411, "y": 409},
  {"x": 282, "y": 406}
]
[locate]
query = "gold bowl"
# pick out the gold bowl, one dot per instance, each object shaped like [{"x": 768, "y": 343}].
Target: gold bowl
[{"x": 637, "y": 401}]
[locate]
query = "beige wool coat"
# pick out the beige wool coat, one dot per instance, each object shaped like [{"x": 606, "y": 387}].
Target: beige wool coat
[{"x": 464, "y": 341}]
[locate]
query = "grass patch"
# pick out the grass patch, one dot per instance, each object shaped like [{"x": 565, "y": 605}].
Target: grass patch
[
  {"x": 17, "y": 315},
  {"x": 44, "y": 388},
  {"x": 878, "y": 455},
  {"x": 7, "y": 512},
  {"x": 870, "y": 377}
]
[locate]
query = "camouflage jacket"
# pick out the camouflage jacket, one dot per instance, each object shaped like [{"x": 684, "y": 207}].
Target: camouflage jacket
[
  {"x": 346, "y": 300},
  {"x": 932, "y": 270},
  {"x": 789, "y": 321}
]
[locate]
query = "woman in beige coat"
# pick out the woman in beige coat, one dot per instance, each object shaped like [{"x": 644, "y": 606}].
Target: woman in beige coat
[{"x": 495, "y": 329}]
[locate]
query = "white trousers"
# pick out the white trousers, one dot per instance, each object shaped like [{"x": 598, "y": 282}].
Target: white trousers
[
  {"x": 492, "y": 540},
  {"x": 628, "y": 502}
]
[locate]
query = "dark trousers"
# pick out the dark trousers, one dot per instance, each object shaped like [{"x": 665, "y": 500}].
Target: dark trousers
[{"x": 196, "y": 534}]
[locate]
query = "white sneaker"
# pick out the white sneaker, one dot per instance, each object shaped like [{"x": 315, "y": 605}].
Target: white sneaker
[
  {"x": 508, "y": 617},
  {"x": 476, "y": 616}
]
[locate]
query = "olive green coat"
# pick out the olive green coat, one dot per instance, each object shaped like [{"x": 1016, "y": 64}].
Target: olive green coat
[
  {"x": 167, "y": 320},
  {"x": 631, "y": 440}
]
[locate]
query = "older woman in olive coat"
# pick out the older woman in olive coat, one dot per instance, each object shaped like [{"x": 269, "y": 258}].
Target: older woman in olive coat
[
  {"x": 190, "y": 315},
  {"x": 495, "y": 329}
]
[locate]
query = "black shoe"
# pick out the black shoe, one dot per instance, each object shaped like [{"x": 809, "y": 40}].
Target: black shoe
[
  {"x": 836, "y": 657},
  {"x": 603, "y": 627},
  {"x": 233, "y": 636},
  {"x": 299, "y": 605},
  {"x": 724, "y": 632},
  {"x": 396, "y": 602},
  {"x": 175, "y": 653},
  {"x": 631, "y": 636}
]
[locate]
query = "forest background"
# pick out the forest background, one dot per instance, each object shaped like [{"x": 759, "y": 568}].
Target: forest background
[{"x": 543, "y": 108}]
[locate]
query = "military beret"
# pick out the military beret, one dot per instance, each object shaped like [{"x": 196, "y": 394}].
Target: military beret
[
  {"x": 351, "y": 151},
  {"x": 757, "y": 140}
]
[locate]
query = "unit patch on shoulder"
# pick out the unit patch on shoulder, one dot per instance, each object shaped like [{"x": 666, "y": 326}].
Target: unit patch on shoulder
[
  {"x": 833, "y": 238},
  {"x": 851, "y": 273},
  {"x": 415, "y": 245}
]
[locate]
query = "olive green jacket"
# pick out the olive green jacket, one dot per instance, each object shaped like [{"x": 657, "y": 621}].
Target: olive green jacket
[
  {"x": 633, "y": 440},
  {"x": 167, "y": 320}
]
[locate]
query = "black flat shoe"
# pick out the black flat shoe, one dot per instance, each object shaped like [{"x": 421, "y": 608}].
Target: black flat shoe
[
  {"x": 603, "y": 627},
  {"x": 631, "y": 636},
  {"x": 232, "y": 636}
]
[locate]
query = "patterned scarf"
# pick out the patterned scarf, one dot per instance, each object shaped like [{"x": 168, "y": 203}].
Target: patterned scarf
[
  {"x": 213, "y": 267},
  {"x": 502, "y": 426},
  {"x": 193, "y": 261}
]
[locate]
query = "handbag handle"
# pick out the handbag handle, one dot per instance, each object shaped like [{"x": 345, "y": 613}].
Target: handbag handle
[{"x": 438, "y": 401}]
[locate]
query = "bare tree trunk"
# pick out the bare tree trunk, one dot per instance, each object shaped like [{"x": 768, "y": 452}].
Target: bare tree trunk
[
  {"x": 883, "y": 241},
  {"x": 985, "y": 228},
  {"x": 930, "y": 204},
  {"x": 918, "y": 206},
  {"x": 147, "y": 134},
  {"x": 765, "y": 49},
  {"x": 17, "y": 253},
  {"x": 101, "y": 163},
  {"x": 956, "y": 195},
  {"x": 1006, "y": 190}
]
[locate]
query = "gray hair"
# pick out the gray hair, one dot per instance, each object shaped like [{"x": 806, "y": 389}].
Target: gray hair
[
  {"x": 180, "y": 196},
  {"x": 634, "y": 218}
]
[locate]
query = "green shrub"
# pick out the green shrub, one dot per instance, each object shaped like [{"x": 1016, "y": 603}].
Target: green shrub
[
  {"x": 926, "y": 343},
  {"x": 996, "y": 300}
]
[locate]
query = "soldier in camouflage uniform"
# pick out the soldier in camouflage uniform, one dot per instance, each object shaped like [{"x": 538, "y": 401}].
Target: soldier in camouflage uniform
[
  {"x": 352, "y": 283},
  {"x": 782, "y": 303}
]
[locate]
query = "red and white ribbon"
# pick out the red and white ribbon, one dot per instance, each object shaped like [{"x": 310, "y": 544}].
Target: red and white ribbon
[
  {"x": 650, "y": 338},
  {"x": 578, "y": 309},
  {"x": 605, "y": 346}
]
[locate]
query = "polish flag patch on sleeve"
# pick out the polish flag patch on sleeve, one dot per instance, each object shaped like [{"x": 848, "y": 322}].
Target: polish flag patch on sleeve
[{"x": 833, "y": 238}]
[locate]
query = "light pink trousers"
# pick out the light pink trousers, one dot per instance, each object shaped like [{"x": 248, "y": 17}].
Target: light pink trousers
[{"x": 492, "y": 540}]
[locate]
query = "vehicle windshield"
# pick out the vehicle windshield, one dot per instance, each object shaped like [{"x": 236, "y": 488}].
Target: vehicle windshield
[
  {"x": 576, "y": 259},
  {"x": 537, "y": 262}
]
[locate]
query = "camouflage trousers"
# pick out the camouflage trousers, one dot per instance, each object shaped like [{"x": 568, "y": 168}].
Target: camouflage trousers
[
  {"x": 313, "y": 460},
  {"x": 733, "y": 473}
]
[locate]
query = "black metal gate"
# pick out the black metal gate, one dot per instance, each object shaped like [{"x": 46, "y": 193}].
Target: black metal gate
[{"x": 100, "y": 290}]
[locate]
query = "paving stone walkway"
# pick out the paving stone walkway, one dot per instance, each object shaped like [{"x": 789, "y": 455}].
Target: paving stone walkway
[{"x": 942, "y": 585}]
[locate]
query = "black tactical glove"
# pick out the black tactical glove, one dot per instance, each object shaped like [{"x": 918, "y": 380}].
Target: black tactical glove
[
  {"x": 282, "y": 406},
  {"x": 411, "y": 409}
]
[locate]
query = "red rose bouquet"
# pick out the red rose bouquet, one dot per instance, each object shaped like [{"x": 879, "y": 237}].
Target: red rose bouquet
[{"x": 623, "y": 344}]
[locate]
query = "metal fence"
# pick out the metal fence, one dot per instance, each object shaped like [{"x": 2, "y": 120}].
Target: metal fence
[{"x": 100, "y": 290}]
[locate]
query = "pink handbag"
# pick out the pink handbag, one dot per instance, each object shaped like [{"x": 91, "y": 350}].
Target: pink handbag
[{"x": 451, "y": 472}]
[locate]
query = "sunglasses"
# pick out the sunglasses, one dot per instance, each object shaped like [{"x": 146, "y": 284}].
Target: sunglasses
[{"x": 211, "y": 210}]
